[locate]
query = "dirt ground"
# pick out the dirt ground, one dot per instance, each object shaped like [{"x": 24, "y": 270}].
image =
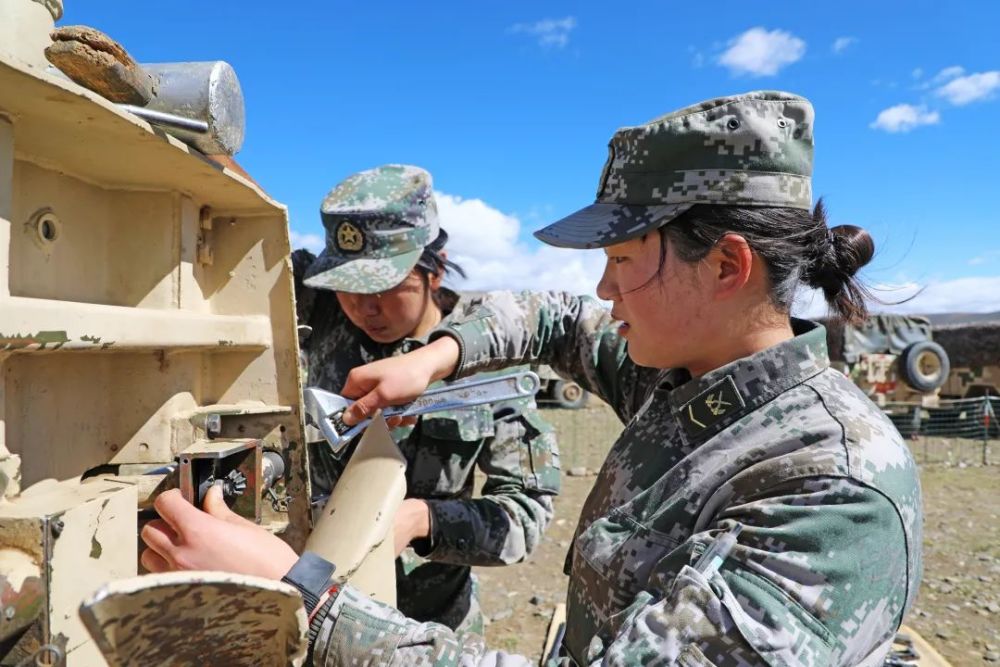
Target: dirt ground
[{"x": 958, "y": 609}]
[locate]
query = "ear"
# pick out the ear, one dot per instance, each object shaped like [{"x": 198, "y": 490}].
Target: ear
[
  {"x": 435, "y": 279},
  {"x": 732, "y": 262}
]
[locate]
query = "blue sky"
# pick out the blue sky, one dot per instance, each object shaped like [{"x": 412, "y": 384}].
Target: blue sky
[{"x": 510, "y": 106}]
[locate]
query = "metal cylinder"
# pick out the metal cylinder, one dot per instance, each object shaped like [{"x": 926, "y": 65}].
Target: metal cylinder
[
  {"x": 205, "y": 91},
  {"x": 273, "y": 469},
  {"x": 25, "y": 26}
]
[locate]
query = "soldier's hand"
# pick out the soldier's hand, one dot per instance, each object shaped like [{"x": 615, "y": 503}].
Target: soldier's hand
[
  {"x": 397, "y": 380},
  {"x": 186, "y": 538},
  {"x": 413, "y": 522}
]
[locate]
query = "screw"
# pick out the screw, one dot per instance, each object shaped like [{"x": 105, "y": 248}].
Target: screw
[
  {"x": 9, "y": 612},
  {"x": 57, "y": 527},
  {"x": 213, "y": 425}
]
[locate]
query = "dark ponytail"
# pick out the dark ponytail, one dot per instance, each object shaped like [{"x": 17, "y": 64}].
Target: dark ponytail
[
  {"x": 795, "y": 245},
  {"x": 836, "y": 258}
]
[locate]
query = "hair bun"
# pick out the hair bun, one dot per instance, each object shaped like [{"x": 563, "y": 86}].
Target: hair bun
[
  {"x": 840, "y": 255},
  {"x": 854, "y": 247}
]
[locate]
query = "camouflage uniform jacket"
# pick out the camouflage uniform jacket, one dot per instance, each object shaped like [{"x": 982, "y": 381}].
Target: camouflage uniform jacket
[
  {"x": 509, "y": 442},
  {"x": 825, "y": 489}
]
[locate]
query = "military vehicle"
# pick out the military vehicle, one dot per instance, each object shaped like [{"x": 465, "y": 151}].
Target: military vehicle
[
  {"x": 974, "y": 350},
  {"x": 556, "y": 390},
  {"x": 147, "y": 333},
  {"x": 893, "y": 358},
  {"x": 926, "y": 377}
]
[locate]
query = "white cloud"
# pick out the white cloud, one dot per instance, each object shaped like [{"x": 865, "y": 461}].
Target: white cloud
[
  {"x": 485, "y": 242},
  {"x": 917, "y": 73},
  {"x": 985, "y": 258},
  {"x": 947, "y": 74},
  {"x": 760, "y": 52},
  {"x": 312, "y": 242},
  {"x": 960, "y": 295},
  {"x": 841, "y": 44},
  {"x": 972, "y": 88},
  {"x": 548, "y": 32},
  {"x": 905, "y": 117}
]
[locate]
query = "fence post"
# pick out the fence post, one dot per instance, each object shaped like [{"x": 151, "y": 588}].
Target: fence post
[{"x": 988, "y": 416}]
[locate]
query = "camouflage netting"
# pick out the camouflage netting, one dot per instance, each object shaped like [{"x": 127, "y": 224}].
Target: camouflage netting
[{"x": 970, "y": 344}]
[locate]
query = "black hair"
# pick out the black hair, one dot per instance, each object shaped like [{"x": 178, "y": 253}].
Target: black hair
[
  {"x": 796, "y": 245},
  {"x": 432, "y": 263}
]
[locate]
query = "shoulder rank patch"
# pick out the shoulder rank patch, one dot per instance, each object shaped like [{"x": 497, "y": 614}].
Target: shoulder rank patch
[
  {"x": 349, "y": 237},
  {"x": 710, "y": 406}
]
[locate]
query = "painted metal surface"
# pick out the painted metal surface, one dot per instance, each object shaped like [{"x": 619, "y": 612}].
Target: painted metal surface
[{"x": 197, "y": 618}]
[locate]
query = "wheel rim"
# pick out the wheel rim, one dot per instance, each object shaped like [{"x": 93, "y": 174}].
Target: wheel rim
[
  {"x": 572, "y": 393},
  {"x": 929, "y": 365}
]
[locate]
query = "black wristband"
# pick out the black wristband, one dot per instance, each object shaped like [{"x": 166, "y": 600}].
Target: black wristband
[
  {"x": 319, "y": 619},
  {"x": 311, "y": 576}
]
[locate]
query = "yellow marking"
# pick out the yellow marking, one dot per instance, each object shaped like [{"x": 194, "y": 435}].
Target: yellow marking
[
  {"x": 717, "y": 406},
  {"x": 691, "y": 416},
  {"x": 349, "y": 237}
]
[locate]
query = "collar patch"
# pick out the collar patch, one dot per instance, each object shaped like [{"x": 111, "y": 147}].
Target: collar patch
[{"x": 711, "y": 406}]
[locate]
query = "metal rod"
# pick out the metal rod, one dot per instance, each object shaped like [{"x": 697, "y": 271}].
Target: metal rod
[{"x": 167, "y": 119}]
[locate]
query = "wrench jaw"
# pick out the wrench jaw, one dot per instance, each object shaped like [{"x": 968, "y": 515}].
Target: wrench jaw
[
  {"x": 324, "y": 410},
  {"x": 338, "y": 434}
]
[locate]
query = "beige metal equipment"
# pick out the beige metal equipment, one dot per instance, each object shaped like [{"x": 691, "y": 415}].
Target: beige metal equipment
[{"x": 147, "y": 340}]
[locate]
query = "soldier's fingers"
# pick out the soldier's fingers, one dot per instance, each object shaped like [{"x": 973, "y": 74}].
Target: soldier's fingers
[
  {"x": 361, "y": 409},
  {"x": 395, "y": 422},
  {"x": 360, "y": 381},
  {"x": 215, "y": 504},
  {"x": 161, "y": 538},
  {"x": 176, "y": 511},
  {"x": 154, "y": 562}
]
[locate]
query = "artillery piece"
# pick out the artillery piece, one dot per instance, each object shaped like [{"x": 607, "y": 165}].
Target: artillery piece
[{"x": 147, "y": 330}]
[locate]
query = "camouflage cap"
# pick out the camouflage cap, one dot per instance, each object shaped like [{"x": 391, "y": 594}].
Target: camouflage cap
[
  {"x": 746, "y": 150},
  {"x": 377, "y": 225}
]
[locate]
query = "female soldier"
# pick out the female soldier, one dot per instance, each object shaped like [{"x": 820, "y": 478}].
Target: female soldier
[
  {"x": 757, "y": 509},
  {"x": 376, "y": 292}
]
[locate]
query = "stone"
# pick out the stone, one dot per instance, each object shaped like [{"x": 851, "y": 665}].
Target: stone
[{"x": 503, "y": 614}]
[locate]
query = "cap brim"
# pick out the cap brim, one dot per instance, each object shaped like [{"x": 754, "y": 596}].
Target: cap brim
[
  {"x": 361, "y": 275},
  {"x": 600, "y": 225}
]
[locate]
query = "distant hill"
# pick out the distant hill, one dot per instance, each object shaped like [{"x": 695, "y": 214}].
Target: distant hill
[{"x": 957, "y": 319}]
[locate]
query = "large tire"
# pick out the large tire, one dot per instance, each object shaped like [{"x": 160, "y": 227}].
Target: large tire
[
  {"x": 925, "y": 366},
  {"x": 569, "y": 395}
]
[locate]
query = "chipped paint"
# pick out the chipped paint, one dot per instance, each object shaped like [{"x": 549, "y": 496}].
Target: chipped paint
[{"x": 43, "y": 339}]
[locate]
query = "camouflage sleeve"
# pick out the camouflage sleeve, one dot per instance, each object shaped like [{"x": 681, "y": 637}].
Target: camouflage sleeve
[
  {"x": 789, "y": 592},
  {"x": 505, "y": 524},
  {"x": 574, "y": 335},
  {"x": 360, "y": 631}
]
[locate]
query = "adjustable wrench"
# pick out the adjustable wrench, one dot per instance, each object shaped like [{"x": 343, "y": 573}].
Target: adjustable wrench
[{"x": 325, "y": 409}]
